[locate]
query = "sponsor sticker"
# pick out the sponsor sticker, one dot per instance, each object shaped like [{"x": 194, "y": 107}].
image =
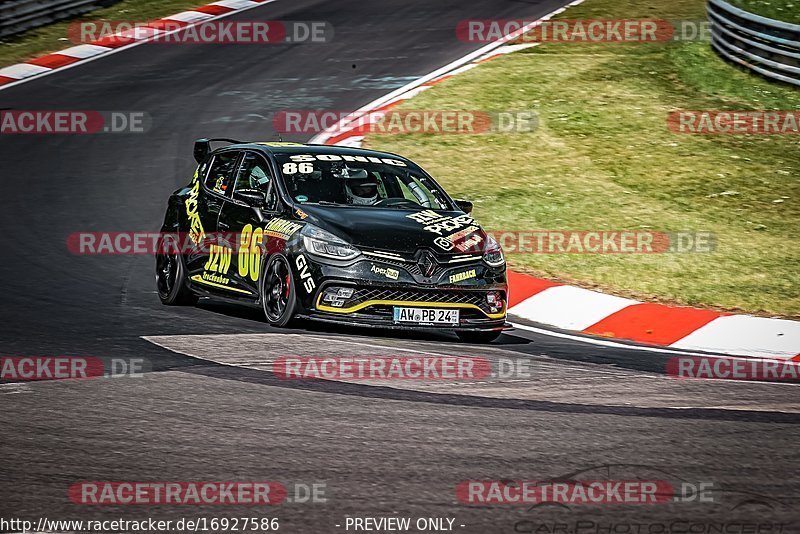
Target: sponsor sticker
[
  {"x": 282, "y": 228},
  {"x": 305, "y": 274},
  {"x": 308, "y": 158},
  {"x": 196, "y": 232},
  {"x": 388, "y": 272},
  {"x": 460, "y": 277}
]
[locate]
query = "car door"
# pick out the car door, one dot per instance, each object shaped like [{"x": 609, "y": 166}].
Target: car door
[
  {"x": 208, "y": 267},
  {"x": 244, "y": 216}
]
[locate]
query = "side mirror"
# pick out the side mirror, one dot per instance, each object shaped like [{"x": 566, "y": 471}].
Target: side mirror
[
  {"x": 465, "y": 206},
  {"x": 202, "y": 148},
  {"x": 252, "y": 197}
]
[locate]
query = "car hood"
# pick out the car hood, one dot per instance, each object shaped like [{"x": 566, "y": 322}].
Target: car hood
[{"x": 394, "y": 230}]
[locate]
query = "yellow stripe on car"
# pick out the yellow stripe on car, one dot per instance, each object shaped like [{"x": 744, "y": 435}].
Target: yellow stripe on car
[
  {"x": 199, "y": 279},
  {"x": 367, "y": 303}
]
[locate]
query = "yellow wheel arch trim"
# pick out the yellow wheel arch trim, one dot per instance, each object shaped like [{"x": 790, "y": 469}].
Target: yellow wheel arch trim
[
  {"x": 367, "y": 303},
  {"x": 198, "y": 278}
]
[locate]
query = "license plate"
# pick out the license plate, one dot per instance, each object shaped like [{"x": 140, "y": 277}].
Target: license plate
[{"x": 426, "y": 316}]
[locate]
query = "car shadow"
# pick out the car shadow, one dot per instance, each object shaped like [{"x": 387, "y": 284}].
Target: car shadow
[{"x": 247, "y": 313}]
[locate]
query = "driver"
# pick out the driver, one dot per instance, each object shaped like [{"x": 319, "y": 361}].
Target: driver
[
  {"x": 360, "y": 188},
  {"x": 362, "y": 192}
]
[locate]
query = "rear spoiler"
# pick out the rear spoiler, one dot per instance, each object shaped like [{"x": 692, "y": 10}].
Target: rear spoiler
[{"x": 202, "y": 147}]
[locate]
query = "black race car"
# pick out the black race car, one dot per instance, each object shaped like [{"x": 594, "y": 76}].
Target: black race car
[{"x": 332, "y": 234}]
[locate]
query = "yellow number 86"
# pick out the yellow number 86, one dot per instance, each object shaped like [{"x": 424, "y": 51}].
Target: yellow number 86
[{"x": 250, "y": 252}]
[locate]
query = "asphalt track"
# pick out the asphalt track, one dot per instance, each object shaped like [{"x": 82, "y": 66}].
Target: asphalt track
[{"x": 212, "y": 410}]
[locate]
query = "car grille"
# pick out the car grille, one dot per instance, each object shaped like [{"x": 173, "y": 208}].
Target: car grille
[
  {"x": 366, "y": 294},
  {"x": 409, "y": 263},
  {"x": 412, "y": 267},
  {"x": 457, "y": 297}
]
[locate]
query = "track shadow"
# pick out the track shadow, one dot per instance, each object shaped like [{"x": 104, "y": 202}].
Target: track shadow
[{"x": 267, "y": 378}]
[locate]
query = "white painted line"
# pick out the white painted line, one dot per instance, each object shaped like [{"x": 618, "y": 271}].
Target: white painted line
[
  {"x": 642, "y": 348},
  {"x": 139, "y": 33},
  {"x": 235, "y": 4},
  {"x": 189, "y": 16},
  {"x": 412, "y": 93},
  {"x": 22, "y": 70},
  {"x": 352, "y": 142},
  {"x": 515, "y": 47},
  {"x": 746, "y": 335},
  {"x": 569, "y": 308},
  {"x": 459, "y": 70},
  {"x": 83, "y": 51},
  {"x": 599, "y": 342},
  {"x": 114, "y": 51}
]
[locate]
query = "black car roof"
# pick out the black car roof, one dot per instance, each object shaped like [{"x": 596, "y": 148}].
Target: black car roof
[{"x": 300, "y": 148}]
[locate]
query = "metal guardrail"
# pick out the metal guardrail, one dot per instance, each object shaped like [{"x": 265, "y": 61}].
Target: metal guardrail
[
  {"x": 19, "y": 15},
  {"x": 769, "y": 47}
]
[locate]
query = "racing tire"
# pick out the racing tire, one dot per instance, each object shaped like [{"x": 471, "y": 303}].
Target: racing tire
[
  {"x": 278, "y": 293},
  {"x": 171, "y": 280},
  {"x": 479, "y": 337}
]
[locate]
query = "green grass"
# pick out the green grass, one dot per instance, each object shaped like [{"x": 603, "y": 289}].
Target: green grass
[
  {"x": 54, "y": 37},
  {"x": 785, "y": 10},
  {"x": 603, "y": 158}
]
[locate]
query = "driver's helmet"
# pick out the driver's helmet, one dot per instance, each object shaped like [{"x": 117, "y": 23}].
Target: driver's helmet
[{"x": 361, "y": 190}]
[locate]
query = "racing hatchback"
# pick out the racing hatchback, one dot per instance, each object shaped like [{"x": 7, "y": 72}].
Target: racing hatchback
[{"x": 333, "y": 234}]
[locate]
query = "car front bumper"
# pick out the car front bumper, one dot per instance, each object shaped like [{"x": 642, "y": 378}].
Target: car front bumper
[{"x": 373, "y": 305}]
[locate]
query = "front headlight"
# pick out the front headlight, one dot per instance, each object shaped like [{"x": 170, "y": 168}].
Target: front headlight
[
  {"x": 493, "y": 254},
  {"x": 325, "y": 244}
]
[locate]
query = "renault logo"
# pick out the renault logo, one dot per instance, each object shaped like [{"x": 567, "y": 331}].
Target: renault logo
[{"x": 426, "y": 263}]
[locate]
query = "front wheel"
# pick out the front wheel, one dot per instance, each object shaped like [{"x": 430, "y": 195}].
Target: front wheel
[
  {"x": 171, "y": 280},
  {"x": 278, "y": 296},
  {"x": 479, "y": 337}
]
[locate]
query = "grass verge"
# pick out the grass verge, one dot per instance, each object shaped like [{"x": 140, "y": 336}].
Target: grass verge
[
  {"x": 603, "y": 158},
  {"x": 54, "y": 37},
  {"x": 785, "y": 10}
]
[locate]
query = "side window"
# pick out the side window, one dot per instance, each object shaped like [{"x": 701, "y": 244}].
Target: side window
[
  {"x": 221, "y": 172},
  {"x": 254, "y": 175}
]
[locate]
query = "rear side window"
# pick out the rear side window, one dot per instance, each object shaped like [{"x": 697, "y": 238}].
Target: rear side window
[{"x": 221, "y": 173}]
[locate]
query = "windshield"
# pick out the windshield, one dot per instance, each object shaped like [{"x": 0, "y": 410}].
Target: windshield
[{"x": 359, "y": 181}]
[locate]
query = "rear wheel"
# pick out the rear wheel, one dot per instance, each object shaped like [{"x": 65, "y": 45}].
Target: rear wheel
[
  {"x": 278, "y": 296},
  {"x": 171, "y": 280},
  {"x": 479, "y": 337}
]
